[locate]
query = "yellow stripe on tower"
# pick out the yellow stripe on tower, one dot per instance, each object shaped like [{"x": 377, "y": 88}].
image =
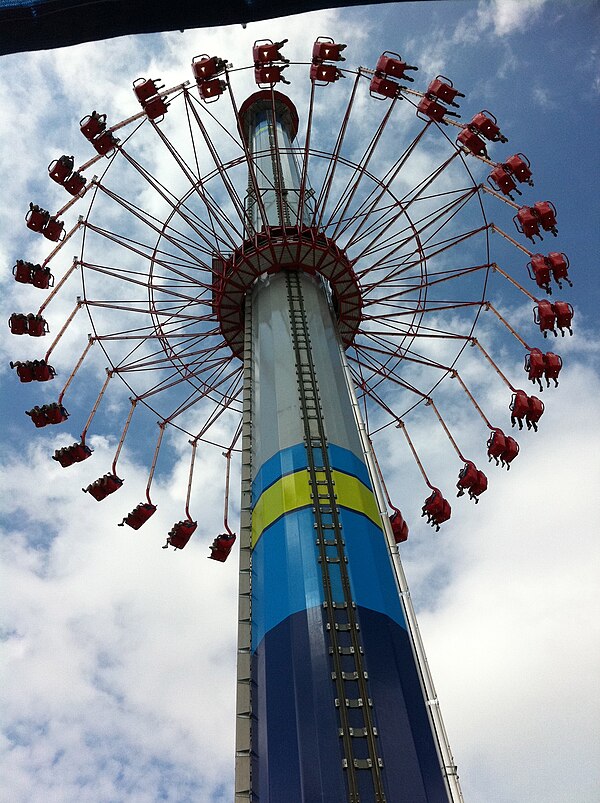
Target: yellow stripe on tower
[{"x": 293, "y": 491}]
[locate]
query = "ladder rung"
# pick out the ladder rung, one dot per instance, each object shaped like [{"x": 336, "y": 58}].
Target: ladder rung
[
  {"x": 366, "y": 763},
  {"x": 358, "y": 732}
]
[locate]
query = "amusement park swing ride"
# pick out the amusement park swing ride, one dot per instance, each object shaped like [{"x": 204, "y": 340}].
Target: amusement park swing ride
[{"x": 279, "y": 292}]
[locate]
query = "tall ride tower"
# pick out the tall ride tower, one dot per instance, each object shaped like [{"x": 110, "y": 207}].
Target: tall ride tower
[{"x": 331, "y": 696}]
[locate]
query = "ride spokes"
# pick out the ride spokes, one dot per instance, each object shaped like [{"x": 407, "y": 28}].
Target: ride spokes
[{"x": 183, "y": 219}]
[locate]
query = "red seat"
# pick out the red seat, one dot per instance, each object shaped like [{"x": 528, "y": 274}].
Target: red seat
[
  {"x": 48, "y": 414},
  {"x": 22, "y": 271},
  {"x": 433, "y": 503},
  {"x": 139, "y": 515},
  {"x": 74, "y": 184},
  {"x": 28, "y": 273},
  {"x": 511, "y": 450},
  {"x": 496, "y": 445},
  {"x": 546, "y": 214},
  {"x": 180, "y": 534},
  {"x": 527, "y": 222},
  {"x": 437, "y": 509},
  {"x": 36, "y": 218},
  {"x": 266, "y": 51},
  {"x": 96, "y": 490},
  {"x": 519, "y": 166},
  {"x": 69, "y": 455},
  {"x": 155, "y": 108},
  {"x": 399, "y": 527},
  {"x": 104, "y": 486},
  {"x": 466, "y": 477},
  {"x": 92, "y": 125},
  {"x": 519, "y": 407},
  {"x": 105, "y": 143},
  {"x": 435, "y": 111},
  {"x": 325, "y": 49},
  {"x": 41, "y": 277},
  {"x": 42, "y": 372},
  {"x": 146, "y": 91},
  {"x": 472, "y": 142},
  {"x": 559, "y": 265},
  {"x": 534, "y": 413},
  {"x": 54, "y": 229},
  {"x": 502, "y": 180},
  {"x": 37, "y": 326},
  {"x": 18, "y": 323},
  {"x": 60, "y": 169},
  {"x": 324, "y": 73},
  {"x": 38, "y": 416},
  {"x": 443, "y": 515},
  {"x": 478, "y": 487},
  {"x": 24, "y": 370},
  {"x": 205, "y": 67},
  {"x": 383, "y": 86},
  {"x": 146, "y": 88},
  {"x": 394, "y": 67},
  {"x": 443, "y": 89},
  {"x": 539, "y": 270},
  {"x": 485, "y": 123},
  {"x": 564, "y": 316},
  {"x": 221, "y": 547},
  {"x": 552, "y": 366},
  {"x": 535, "y": 365},
  {"x": 34, "y": 370},
  {"x": 113, "y": 483},
  {"x": 212, "y": 90},
  {"x": 544, "y": 316},
  {"x": 269, "y": 75},
  {"x": 55, "y": 413}
]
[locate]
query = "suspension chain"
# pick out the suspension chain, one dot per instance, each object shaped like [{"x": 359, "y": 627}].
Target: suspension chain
[{"x": 352, "y": 700}]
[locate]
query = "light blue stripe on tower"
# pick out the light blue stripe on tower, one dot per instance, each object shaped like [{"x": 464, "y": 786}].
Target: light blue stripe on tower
[
  {"x": 292, "y": 459},
  {"x": 286, "y": 575},
  {"x": 371, "y": 579}
]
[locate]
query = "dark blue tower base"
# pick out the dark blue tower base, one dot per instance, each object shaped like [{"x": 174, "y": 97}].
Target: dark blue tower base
[{"x": 296, "y": 728}]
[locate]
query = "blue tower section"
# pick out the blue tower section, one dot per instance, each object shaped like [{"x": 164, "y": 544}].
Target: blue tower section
[{"x": 335, "y": 710}]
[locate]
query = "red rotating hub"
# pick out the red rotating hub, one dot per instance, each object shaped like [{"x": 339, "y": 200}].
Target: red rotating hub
[{"x": 284, "y": 248}]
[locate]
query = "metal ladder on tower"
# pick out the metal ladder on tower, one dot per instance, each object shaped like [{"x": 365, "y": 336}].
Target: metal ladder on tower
[{"x": 357, "y": 729}]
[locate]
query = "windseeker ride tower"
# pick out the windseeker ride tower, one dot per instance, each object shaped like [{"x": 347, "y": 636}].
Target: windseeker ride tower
[
  {"x": 331, "y": 689},
  {"x": 239, "y": 293}
]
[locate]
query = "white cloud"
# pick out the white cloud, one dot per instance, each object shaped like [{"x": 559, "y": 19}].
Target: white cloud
[
  {"x": 543, "y": 97},
  {"x": 508, "y": 16},
  {"x": 113, "y": 647}
]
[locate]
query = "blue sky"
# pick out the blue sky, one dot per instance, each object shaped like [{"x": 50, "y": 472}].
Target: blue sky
[{"x": 119, "y": 657}]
